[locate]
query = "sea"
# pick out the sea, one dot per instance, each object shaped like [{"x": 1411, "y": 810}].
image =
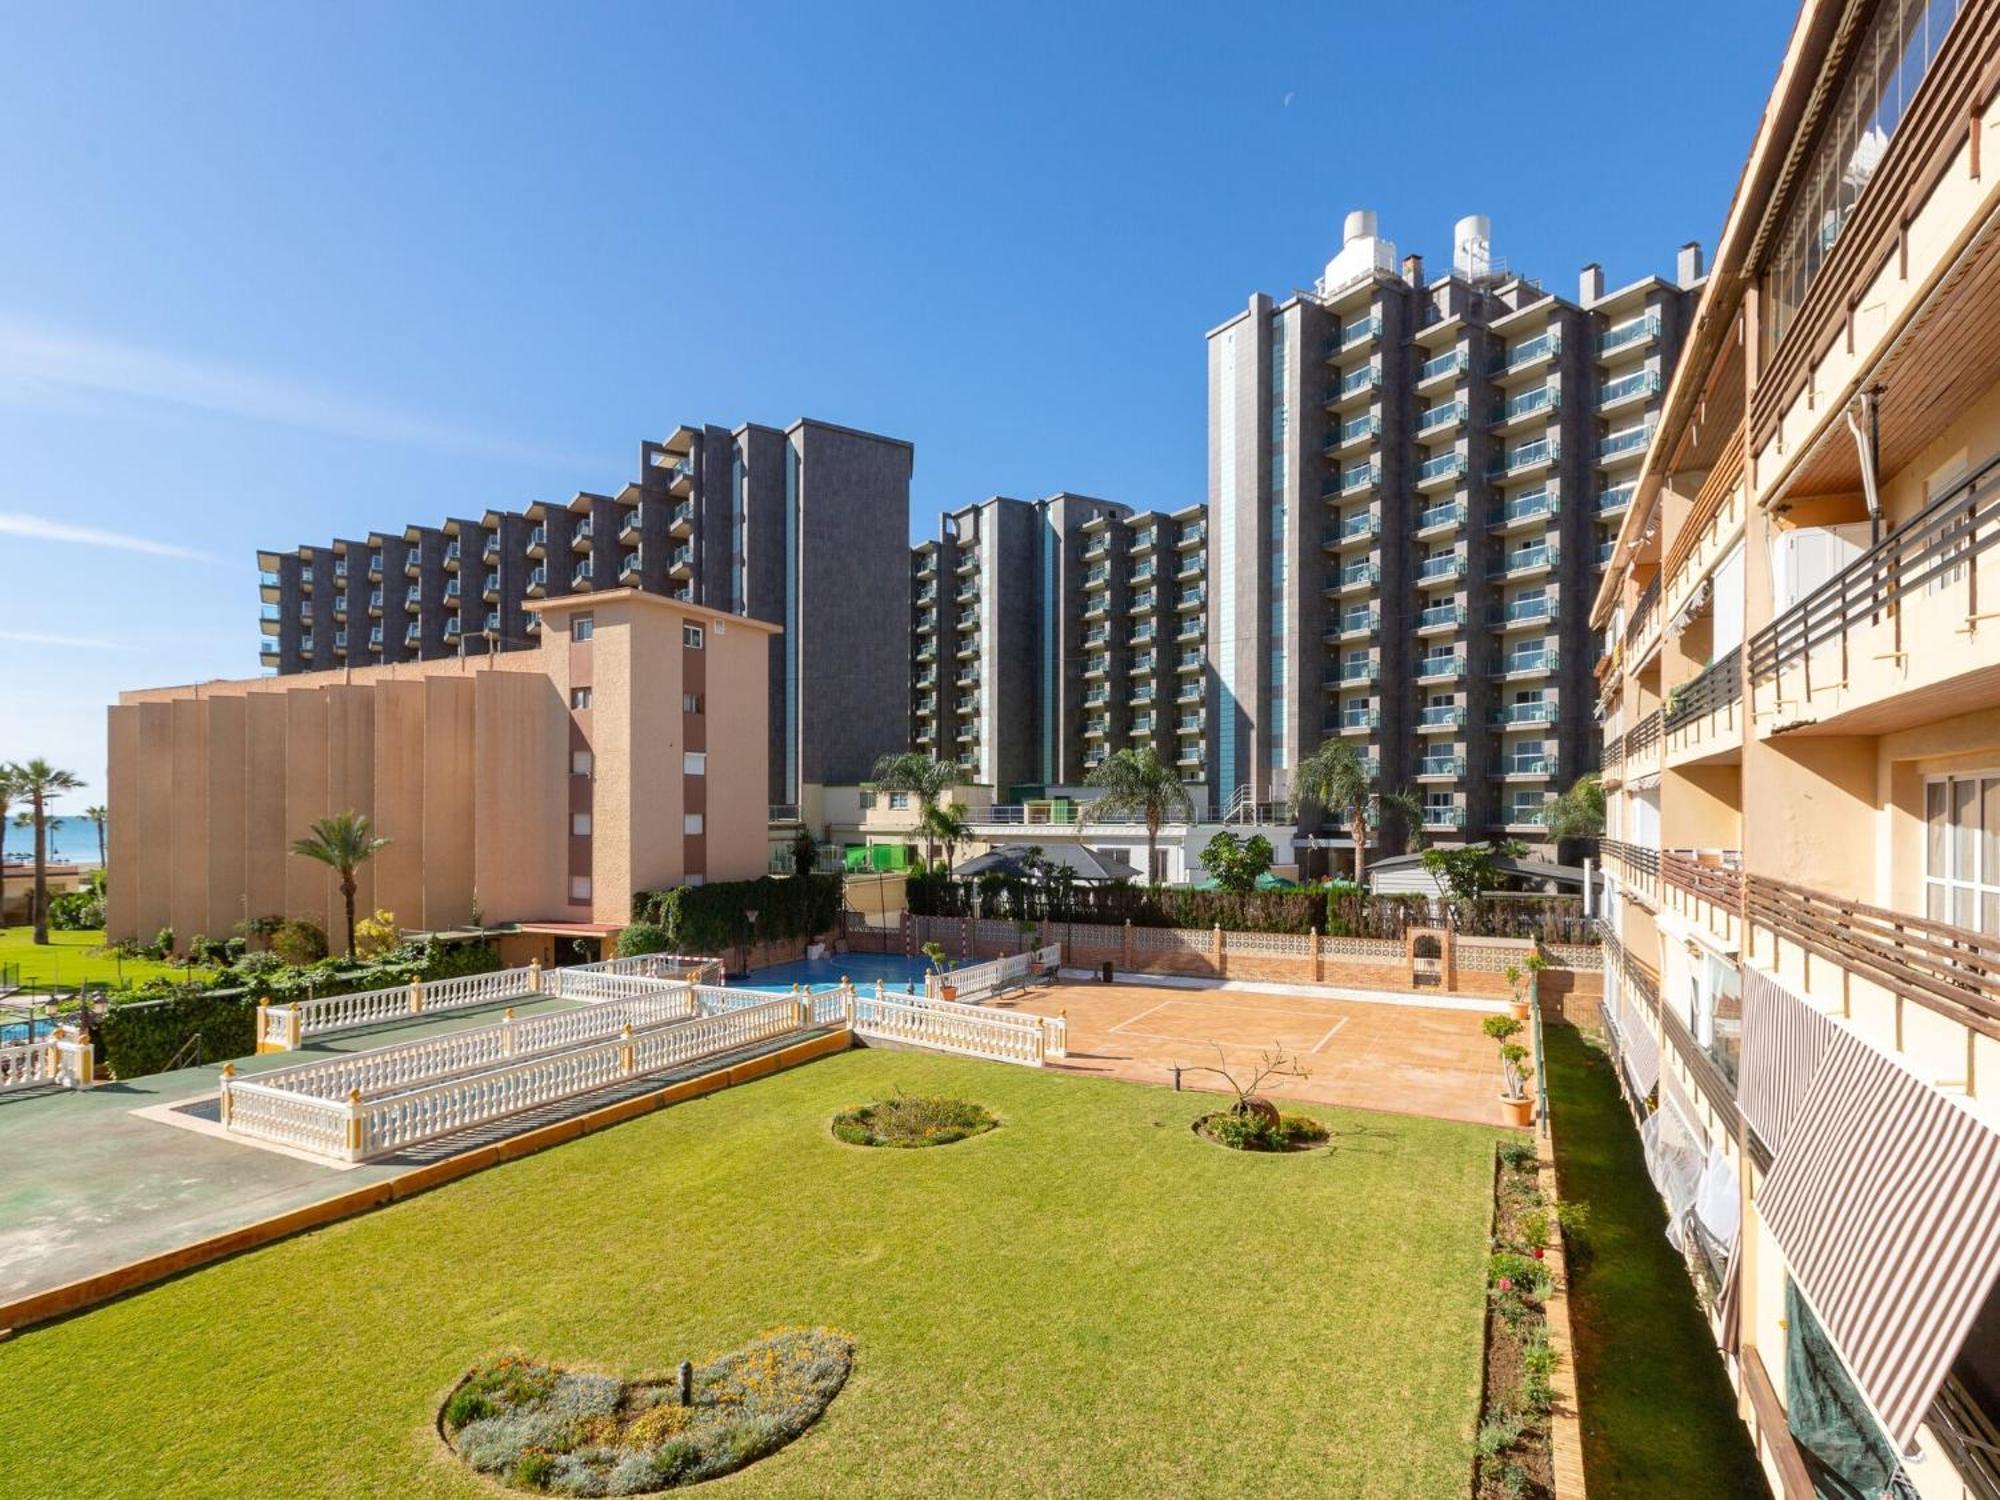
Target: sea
[{"x": 72, "y": 841}]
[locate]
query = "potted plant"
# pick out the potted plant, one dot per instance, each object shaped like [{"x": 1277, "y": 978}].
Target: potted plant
[
  {"x": 935, "y": 953},
  {"x": 1514, "y": 1072},
  {"x": 1512, "y": 974}
]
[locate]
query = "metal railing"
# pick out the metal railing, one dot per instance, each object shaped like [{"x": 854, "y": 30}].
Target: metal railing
[
  {"x": 1719, "y": 685},
  {"x": 1715, "y": 876},
  {"x": 1937, "y": 546},
  {"x": 1645, "y": 614}
]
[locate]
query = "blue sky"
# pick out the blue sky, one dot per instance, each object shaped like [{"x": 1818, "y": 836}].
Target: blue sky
[{"x": 273, "y": 273}]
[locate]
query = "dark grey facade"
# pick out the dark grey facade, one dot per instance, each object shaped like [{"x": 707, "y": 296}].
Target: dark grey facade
[
  {"x": 805, "y": 527},
  {"x": 1412, "y": 486}
]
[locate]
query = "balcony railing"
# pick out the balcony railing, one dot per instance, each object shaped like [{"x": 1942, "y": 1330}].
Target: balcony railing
[
  {"x": 1631, "y": 440},
  {"x": 1525, "y": 508},
  {"x": 1950, "y": 970},
  {"x": 1638, "y": 867},
  {"x": 1525, "y": 713},
  {"x": 1444, "y": 817},
  {"x": 1445, "y": 465},
  {"x": 1367, "y": 425},
  {"x": 1720, "y": 685},
  {"x": 1714, "y": 876},
  {"x": 1359, "y": 671},
  {"x": 1432, "y": 569},
  {"x": 1440, "y": 614},
  {"x": 1359, "y": 620},
  {"x": 1641, "y": 382},
  {"x": 1541, "y": 659},
  {"x": 1356, "y": 575},
  {"x": 1541, "y": 451},
  {"x": 1543, "y": 398},
  {"x": 1452, "y": 361},
  {"x": 1440, "y": 715},
  {"x": 1934, "y": 547},
  {"x": 1610, "y": 502},
  {"x": 1359, "y": 477},
  {"x": 1441, "y": 765},
  {"x": 1642, "y": 739},
  {"x": 1522, "y": 559},
  {"x": 1359, "y": 329},
  {"x": 1520, "y": 610},
  {"x": 1365, "y": 378},
  {"x": 1446, "y": 415},
  {"x": 1629, "y": 333},
  {"x": 1645, "y": 615},
  {"x": 1531, "y": 350},
  {"x": 1431, "y": 668}
]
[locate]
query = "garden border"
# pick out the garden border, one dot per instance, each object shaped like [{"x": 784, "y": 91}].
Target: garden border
[{"x": 103, "y": 1286}]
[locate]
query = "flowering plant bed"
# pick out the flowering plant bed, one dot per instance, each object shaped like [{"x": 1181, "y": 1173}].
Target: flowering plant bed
[
  {"x": 552, "y": 1431},
  {"x": 1515, "y": 1457},
  {"x": 1254, "y": 1131},
  {"x": 913, "y": 1120}
]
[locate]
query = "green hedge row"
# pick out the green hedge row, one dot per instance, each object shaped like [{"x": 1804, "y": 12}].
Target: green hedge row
[
  {"x": 709, "y": 919},
  {"x": 144, "y": 1035}
]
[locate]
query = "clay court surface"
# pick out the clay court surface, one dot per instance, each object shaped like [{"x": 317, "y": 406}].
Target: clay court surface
[{"x": 1368, "y": 1055}]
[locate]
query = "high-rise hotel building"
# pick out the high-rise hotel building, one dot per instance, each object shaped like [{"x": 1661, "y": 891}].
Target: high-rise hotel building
[
  {"x": 1412, "y": 487},
  {"x": 1047, "y": 634},
  {"x": 806, "y": 528}
]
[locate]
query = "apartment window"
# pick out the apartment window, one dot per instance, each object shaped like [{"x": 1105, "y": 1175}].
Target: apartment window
[
  {"x": 691, "y": 637},
  {"x": 580, "y": 628},
  {"x": 579, "y": 888},
  {"x": 898, "y": 801},
  {"x": 867, "y": 799},
  {"x": 691, "y": 703},
  {"x": 1962, "y": 851},
  {"x": 694, "y": 763},
  {"x": 579, "y": 697},
  {"x": 579, "y": 763},
  {"x": 691, "y": 823},
  {"x": 579, "y": 824}
]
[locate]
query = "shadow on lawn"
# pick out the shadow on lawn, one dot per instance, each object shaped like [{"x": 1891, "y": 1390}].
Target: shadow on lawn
[{"x": 1658, "y": 1415}]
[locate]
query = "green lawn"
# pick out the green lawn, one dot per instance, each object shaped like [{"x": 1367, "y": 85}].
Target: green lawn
[
  {"x": 72, "y": 958},
  {"x": 1087, "y": 1301},
  {"x": 1659, "y": 1418}
]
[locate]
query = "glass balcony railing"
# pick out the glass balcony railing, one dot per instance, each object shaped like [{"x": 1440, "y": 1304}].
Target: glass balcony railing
[
  {"x": 1356, "y": 620},
  {"x": 1525, "y": 713},
  {"x": 1440, "y": 614},
  {"x": 1541, "y": 451},
  {"x": 1367, "y": 425},
  {"x": 1446, "y": 415},
  {"x": 1640, "y": 382},
  {"x": 1631, "y": 440},
  {"x": 1358, "y": 671},
  {"x": 1444, "y": 466},
  {"x": 1611, "y": 501},
  {"x": 1519, "y": 610},
  {"x": 1525, "y": 814},
  {"x": 1538, "y": 659},
  {"x": 1430, "y": 668},
  {"x": 1526, "y": 353},
  {"x": 1431, "y": 569},
  {"x": 1543, "y": 398},
  {"x": 1357, "y": 575},
  {"x": 1450, "y": 513},
  {"x": 1451, "y": 362},
  {"x": 1522, "y": 559},
  {"x": 1527, "y": 765},
  {"x": 1525, "y": 508},
  {"x": 1362, "y": 379},
  {"x": 1625, "y": 334},
  {"x": 1441, "y": 765},
  {"x": 1360, "y": 718},
  {"x": 1436, "y": 816},
  {"x": 1099, "y": 574},
  {"x": 1359, "y": 477},
  {"x": 1441, "y": 715},
  {"x": 1366, "y": 523}
]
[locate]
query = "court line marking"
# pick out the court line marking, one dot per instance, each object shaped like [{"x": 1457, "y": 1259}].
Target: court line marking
[
  {"x": 1145, "y": 1013},
  {"x": 1331, "y": 1032}
]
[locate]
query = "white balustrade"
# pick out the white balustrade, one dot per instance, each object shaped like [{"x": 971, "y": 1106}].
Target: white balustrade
[
  {"x": 965, "y": 1029},
  {"x": 284, "y": 1026},
  {"x": 977, "y": 981},
  {"x": 695, "y": 969},
  {"x": 27, "y": 1065},
  {"x": 577, "y": 984}
]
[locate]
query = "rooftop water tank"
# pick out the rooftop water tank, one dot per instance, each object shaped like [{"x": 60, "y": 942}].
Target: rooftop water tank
[{"x": 1472, "y": 247}]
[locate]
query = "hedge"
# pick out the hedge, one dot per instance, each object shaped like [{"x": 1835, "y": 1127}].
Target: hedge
[
  {"x": 143, "y": 1035},
  {"x": 708, "y": 919},
  {"x": 1336, "y": 913}
]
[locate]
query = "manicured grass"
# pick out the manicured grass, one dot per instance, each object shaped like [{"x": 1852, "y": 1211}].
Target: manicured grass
[
  {"x": 1659, "y": 1418},
  {"x": 73, "y": 958},
  {"x": 1089, "y": 1300}
]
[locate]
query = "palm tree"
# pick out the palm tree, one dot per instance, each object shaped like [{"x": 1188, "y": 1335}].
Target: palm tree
[
  {"x": 342, "y": 842},
  {"x": 925, "y": 779},
  {"x": 1577, "y": 813},
  {"x": 99, "y": 816},
  {"x": 1407, "y": 805},
  {"x": 38, "y": 783},
  {"x": 949, "y": 827},
  {"x": 9, "y": 790},
  {"x": 1138, "y": 781},
  {"x": 1337, "y": 778}
]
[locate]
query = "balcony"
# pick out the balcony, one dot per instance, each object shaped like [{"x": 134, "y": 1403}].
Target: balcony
[
  {"x": 1542, "y": 401},
  {"x": 1358, "y": 478},
  {"x": 1353, "y": 530},
  {"x": 1627, "y": 444},
  {"x": 1537, "y": 557},
  {"x": 491, "y": 550},
  {"x": 489, "y": 589},
  {"x": 1193, "y": 535},
  {"x": 1144, "y": 540},
  {"x": 1439, "y": 816},
  {"x": 414, "y": 635},
  {"x": 1438, "y": 418},
  {"x": 967, "y": 595},
  {"x": 375, "y": 637},
  {"x": 1354, "y": 386},
  {"x": 452, "y": 629},
  {"x": 340, "y": 567},
  {"x": 538, "y": 582},
  {"x": 1441, "y": 517},
  {"x": 1511, "y": 715},
  {"x": 538, "y": 540},
  {"x": 1528, "y": 354},
  {"x": 413, "y": 600},
  {"x": 374, "y": 601},
  {"x": 1703, "y": 716},
  {"x": 452, "y": 553},
  {"x": 1097, "y": 547},
  {"x": 374, "y": 566},
  {"x": 680, "y": 478},
  {"x": 630, "y": 566},
  {"x": 1628, "y": 389},
  {"x": 1145, "y": 661},
  {"x": 1365, "y": 428},
  {"x": 1516, "y": 613},
  {"x": 1358, "y": 721},
  {"x": 492, "y": 621},
  {"x": 1441, "y": 470},
  {"x": 1440, "y": 617},
  {"x": 629, "y": 528},
  {"x": 1435, "y": 570},
  {"x": 1617, "y": 499},
  {"x": 927, "y": 623},
  {"x": 681, "y": 521},
  {"x": 1356, "y": 623},
  {"x": 580, "y": 576},
  {"x": 1642, "y": 631},
  {"x": 1192, "y": 566},
  {"x": 680, "y": 562},
  {"x": 1535, "y": 661},
  {"x": 1096, "y": 666},
  {"x": 1096, "y": 728},
  {"x": 1146, "y": 603},
  {"x": 1190, "y": 630},
  {"x": 1143, "y": 723},
  {"x": 1359, "y": 575},
  {"x": 413, "y": 564},
  {"x": 1436, "y": 716},
  {"x": 1523, "y": 509},
  {"x": 1440, "y": 767},
  {"x": 1524, "y": 815},
  {"x": 1190, "y": 754},
  {"x": 1190, "y": 661},
  {"x": 1360, "y": 331},
  {"x": 1451, "y": 364},
  {"x": 1635, "y": 334},
  {"x": 1359, "y": 671},
  {"x": 1190, "y": 599},
  {"x": 1528, "y": 458},
  {"x": 1444, "y": 668},
  {"x": 1705, "y": 887},
  {"x": 269, "y": 614}
]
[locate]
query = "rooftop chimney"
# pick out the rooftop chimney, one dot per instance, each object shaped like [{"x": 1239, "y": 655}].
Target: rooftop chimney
[
  {"x": 1590, "y": 284},
  {"x": 1688, "y": 271},
  {"x": 1413, "y": 270}
]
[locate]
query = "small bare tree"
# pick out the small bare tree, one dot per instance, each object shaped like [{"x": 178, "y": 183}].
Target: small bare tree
[{"x": 1276, "y": 1063}]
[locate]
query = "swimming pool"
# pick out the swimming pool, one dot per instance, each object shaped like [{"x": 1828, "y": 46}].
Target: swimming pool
[{"x": 894, "y": 970}]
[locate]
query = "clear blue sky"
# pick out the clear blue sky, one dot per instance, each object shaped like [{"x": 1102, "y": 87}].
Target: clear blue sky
[{"x": 272, "y": 273}]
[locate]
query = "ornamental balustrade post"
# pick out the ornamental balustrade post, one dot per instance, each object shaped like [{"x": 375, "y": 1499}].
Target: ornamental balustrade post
[
  {"x": 228, "y": 1103},
  {"x": 353, "y": 1132},
  {"x": 625, "y": 1064},
  {"x": 1318, "y": 963},
  {"x": 507, "y": 1032},
  {"x": 416, "y": 996},
  {"x": 535, "y": 976},
  {"x": 294, "y": 1027}
]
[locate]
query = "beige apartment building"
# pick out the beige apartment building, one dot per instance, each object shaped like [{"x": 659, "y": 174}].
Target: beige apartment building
[
  {"x": 1800, "y": 689},
  {"x": 625, "y": 751}
]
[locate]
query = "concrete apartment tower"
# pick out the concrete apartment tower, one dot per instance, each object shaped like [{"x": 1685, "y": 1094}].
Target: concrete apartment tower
[
  {"x": 1043, "y": 638},
  {"x": 1412, "y": 489},
  {"x": 804, "y": 527}
]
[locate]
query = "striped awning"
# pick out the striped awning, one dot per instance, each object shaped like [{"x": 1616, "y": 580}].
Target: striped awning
[
  {"x": 1785, "y": 1037},
  {"x": 1886, "y": 1200}
]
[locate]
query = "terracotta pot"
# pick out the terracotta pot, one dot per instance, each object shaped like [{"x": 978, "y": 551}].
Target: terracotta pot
[
  {"x": 1520, "y": 1112},
  {"x": 947, "y": 992},
  {"x": 1520, "y": 1010}
]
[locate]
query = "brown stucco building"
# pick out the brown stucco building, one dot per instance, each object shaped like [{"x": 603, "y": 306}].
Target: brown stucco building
[{"x": 626, "y": 750}]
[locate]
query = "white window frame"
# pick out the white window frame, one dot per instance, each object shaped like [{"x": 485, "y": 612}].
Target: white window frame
[
  {"x": 579, "y": 825},
  {"x": 579, "y": 698},
  {"x": 1971, "y": 901},
  {"x": 694, "y": 762},
  {"x": 582, "y": 763},
  {"x": 691, "y": 636},
  {"x": 693, "y": 703},
  {"x": 579, "y": 889},
  {"x": 582, "y": 627},
  {"x": 692, "y": 824}
]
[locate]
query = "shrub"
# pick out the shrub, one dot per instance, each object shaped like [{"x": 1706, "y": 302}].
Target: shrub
[
  {"x": 1535, "y": 1229},
  {"x": 709, "y": 919},
  {"x": 913, "y": 1120},
  {"x": 1538, "y": 1364},
  {"x": 1521, "y": 1271},
  {"x": 1241, "y": 1131},
  {"x": 1499, "y": 1432},
  {"x": 644, "y": 937},
  {"x": 76, "y": 911},
  {"x": 376, "y": 934},
  {"x": 162, "y": 945},
  {"x": 298, "y": 942},
  {"x": 1519, "y": 1156}
]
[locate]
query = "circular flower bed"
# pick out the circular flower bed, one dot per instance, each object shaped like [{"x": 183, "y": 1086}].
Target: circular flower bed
[
  {"x": 567, "y": 1432},
  {"x": 913, "y": 1120},
  {"x": 1251, "y": 1130}
]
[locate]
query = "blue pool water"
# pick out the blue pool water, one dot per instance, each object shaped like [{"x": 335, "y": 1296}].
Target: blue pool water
[
  {"x": 17, "y": 1031},
  {"x": 894, "y": 970}
]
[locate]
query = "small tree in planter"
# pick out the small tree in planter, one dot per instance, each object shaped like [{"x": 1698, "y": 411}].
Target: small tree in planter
[
  {"x": 939, "y": 964},
  {"x": 1513, "y": 1070},
  {"x": 1253, "y": 1123},
  {"x": 1514, "y": 977}
]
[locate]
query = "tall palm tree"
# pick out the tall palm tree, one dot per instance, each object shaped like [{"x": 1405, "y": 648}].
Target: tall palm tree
[
  {"x": 1577, "y": 813},
  {"x": 38, "y": 783},
  {"x": 949, "y": 827},
  {"x": 9, "y": 791},
  {"x": 1138, "y": 781},
  {"x": 923, "y": 778},
  {"x": 343, "y": 842},
  {"x": 99, "y": 816},
  {"x": 1336, "y": 777},
  {"x": 1409, "y": 806}
]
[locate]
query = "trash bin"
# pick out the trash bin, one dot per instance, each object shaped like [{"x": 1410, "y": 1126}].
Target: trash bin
[{"x": 1107, "y": 971}]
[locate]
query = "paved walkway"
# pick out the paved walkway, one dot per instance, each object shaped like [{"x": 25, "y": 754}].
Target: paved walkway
[
  {"x": 1406, "y": 1057},
  {"x": 86, "y": 1185}
]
